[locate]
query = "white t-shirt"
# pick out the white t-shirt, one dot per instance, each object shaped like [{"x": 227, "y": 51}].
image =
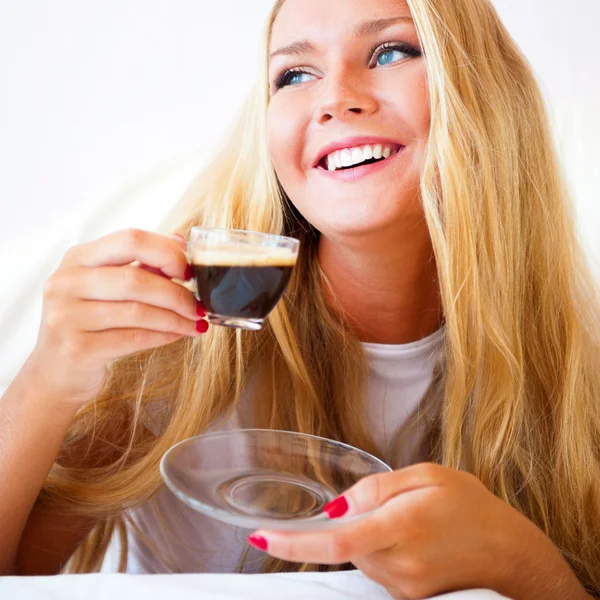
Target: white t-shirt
[{"x": 171, "y": 537}]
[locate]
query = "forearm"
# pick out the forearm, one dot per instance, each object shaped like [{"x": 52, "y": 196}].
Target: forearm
[
  {"x": 32, "y": 429},
  {"x": 543, "y": 574},
  {"x": 554, "y": 586}
]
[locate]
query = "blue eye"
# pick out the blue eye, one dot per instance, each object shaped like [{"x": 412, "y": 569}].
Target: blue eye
[
  {"x": 392, "y": 55},
  {"x": 298, "y": 77},
  {"x": 292, "y": 78}
]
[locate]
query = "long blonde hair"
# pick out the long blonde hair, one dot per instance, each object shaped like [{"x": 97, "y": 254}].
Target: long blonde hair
[{"x": 521, "y": 371}]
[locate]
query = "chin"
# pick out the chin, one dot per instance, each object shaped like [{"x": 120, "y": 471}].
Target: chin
[
  {"x": 350, "y": 229},
  {"x": 344, "y": 219}
]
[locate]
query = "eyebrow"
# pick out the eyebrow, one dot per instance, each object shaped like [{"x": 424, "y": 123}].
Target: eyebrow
[{"x": 364, "y": 29}]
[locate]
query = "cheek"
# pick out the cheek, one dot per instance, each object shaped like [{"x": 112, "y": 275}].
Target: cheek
[
  {"x": 417, "y": 109},
  {"x": 409, "y": 102},
  {"x": 285, "y": 134}
]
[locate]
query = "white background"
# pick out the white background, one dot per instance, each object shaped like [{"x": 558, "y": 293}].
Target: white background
[{"x": 98, "y": 97}]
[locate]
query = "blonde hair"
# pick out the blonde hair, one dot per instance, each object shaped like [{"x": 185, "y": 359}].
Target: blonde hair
[{"x": 521, "y": 379}]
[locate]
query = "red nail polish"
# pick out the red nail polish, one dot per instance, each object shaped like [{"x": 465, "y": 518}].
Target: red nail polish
[
  {"x": 200, "y": 309},
  {"x": 201, "y": 326},
  {"x": 337, "y": 508},
  {"x": 189, "y": 273},
  {"x": 258, "y": 542}
]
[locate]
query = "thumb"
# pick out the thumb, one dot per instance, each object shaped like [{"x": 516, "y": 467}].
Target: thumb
[{"x": 375, "y": 490}]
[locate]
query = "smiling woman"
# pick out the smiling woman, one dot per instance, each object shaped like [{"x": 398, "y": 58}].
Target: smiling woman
[{"x": 441, "y": 316}]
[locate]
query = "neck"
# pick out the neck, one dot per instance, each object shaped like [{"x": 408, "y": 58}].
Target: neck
[{"x": 388, "y": 292}]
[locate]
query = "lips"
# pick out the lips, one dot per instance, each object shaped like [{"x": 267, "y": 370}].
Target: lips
[{"x": 360, "y": 171}]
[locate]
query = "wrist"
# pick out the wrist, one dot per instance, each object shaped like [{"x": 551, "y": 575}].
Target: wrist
[
  {"x": 539, "y": 572},
  {"x": 37, "y": 394}
]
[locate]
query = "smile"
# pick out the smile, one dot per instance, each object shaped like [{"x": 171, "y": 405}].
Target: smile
[
  {"x": 358, "y": 162},
  {"x": 347, "y": 158}
]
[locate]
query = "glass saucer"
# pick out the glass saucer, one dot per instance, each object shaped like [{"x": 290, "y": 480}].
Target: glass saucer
[{"x": 267, "y": 479}]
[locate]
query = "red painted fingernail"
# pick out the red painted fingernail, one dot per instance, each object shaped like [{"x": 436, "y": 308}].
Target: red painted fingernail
[
  {"x": 337, "y": 508},
  {"x": 189, "y": 273},
  {"x": 258, "y": 542},
  {"x": 200, "y": 309},
  {"x": 201, "y": 326}
]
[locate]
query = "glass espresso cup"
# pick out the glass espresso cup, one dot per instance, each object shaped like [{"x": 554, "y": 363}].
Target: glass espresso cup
[{"x": 240, "y": 275}]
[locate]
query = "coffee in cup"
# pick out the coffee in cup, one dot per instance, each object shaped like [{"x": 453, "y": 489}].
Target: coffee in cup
[{"x": 241, "y": 282}]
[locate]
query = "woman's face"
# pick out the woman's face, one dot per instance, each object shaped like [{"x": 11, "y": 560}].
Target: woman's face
[{"x": 348, "y": 84}]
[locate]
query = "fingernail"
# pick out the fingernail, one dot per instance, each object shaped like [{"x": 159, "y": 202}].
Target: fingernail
[
  {"x": 337, "y": 508},
  {"x": 177, "y": 235},
  {"x": 258, "y": 542},
  {"x": 200, "y": 309},
  {"x": 201, "y": 326},
  {"x": 189, "y": 273}
]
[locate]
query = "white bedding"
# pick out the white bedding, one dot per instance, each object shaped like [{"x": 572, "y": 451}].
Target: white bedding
[{"x": 324, "y": 586}]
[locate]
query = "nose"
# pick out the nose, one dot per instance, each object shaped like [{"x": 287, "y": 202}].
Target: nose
[{"x": 345, "y": 96}]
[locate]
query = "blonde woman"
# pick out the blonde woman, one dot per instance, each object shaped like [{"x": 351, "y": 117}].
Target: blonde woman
[{"x": 441, "y": 316}]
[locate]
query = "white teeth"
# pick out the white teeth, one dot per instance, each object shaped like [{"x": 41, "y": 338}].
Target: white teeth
[
  {"x": 349, "y": 157},
  {"x": 346, "y": 158},
  {"x": 357, "y": 156}
]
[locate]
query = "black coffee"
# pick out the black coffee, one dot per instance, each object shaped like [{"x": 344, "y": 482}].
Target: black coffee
[{"x": 247, "y": 290}]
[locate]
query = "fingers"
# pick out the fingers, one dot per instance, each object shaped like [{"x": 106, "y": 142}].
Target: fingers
[
  {"x": 382, "y": 493},
  {"x": 114, "y": 343},
  {"x": 92, "y": 315},
  {"x": 391, "y": 526},
  {"x": 332, "y": 547},
  {"x": 375, "y": 490},
  {"x": 123, "y": 284},
  {"x": 130, "y": 245},
  {"x": 153, "y": 271},
  {"x": 180, "y": 240}
]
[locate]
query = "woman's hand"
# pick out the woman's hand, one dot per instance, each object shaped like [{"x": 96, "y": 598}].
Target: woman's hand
[
  {"x": 433, "y": 530},
  {"x": 109, "y": 298}
]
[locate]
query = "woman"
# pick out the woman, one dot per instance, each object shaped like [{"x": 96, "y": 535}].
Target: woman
[{"x": 449, "y": 258}]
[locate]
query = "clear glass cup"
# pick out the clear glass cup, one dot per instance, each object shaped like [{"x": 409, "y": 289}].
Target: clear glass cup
[
  {"x": 240, "y": 275},
  {"x": 263, "y": 478}
]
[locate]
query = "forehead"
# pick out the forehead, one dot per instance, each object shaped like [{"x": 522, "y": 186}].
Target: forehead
[{"x": 320, "y": 20}]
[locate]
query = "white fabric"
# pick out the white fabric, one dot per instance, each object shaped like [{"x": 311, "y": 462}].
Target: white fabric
[
  {"x": 399, "y": 375},
  {"x": 193, "y": 543},
  {"x": 293, "y": 586}
]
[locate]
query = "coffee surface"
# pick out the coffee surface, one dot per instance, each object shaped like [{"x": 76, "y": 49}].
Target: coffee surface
[{"x": 243, "y": 255}]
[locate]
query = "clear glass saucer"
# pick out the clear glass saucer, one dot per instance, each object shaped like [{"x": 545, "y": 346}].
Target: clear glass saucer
[{"x": 267, "y": 479}]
